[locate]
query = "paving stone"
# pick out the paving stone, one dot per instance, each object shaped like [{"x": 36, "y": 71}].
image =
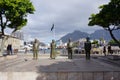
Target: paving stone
[
  {"x": 10, "y": 76},
  {"x": 80, "y": 75},
  {"x": 116, "y": 75},
  {"x": 88, "y": 76},
  {"x": 62, "y": 76},
  {"x": 108, "y": 76},
  {"x": 98, "y": 75},
  {"x": 3, "y": 75},
  {"x": 23, "y": 76},
  {"x": 42, "y": 76},
  {"x": 73, "y": 76},
  {"x": 52, "y": 76}
]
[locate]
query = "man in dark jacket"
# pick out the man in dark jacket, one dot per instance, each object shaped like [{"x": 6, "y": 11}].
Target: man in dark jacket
[
  {"x": 69, "y": 48},
  {"x": 9, "y": 49},
  {"x": 87, "y": 47}
]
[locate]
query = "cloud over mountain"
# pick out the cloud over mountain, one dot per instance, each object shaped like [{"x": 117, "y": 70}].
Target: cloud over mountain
[{"x": 67, "y": 15}]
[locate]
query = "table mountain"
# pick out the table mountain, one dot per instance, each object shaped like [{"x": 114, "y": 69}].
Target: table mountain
[{"x": 76, "y": 35}]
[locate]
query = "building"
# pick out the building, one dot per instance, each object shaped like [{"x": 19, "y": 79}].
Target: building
[{"x": 16, "y": 41}]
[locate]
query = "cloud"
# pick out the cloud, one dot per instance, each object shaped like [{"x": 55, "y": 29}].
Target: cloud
[{"x": 67, "y": 15}]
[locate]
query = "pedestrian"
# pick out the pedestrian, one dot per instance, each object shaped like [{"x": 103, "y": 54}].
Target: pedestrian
[
  {"x": 52, "y": 52},
  {"x": 9, "y": 49},
  {"x": 35, "y": 49},
  {"x": 87, "y": 47},
  {"x": 104, "y": 50},
  {"x": 64, "y": 50},
  {"x": 69, "y": 48},
  {"x": 26, "y": 50},
  {"x": 44, "y": 51}
]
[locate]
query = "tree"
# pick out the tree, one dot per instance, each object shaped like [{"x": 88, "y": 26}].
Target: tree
[
  {"x": 112, "y": 42},
  {"x": 13, "y": 14},
  {"x": 108, "y": 18}
]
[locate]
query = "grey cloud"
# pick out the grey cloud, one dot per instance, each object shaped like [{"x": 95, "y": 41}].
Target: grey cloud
[{"x": 67, "y": 15}]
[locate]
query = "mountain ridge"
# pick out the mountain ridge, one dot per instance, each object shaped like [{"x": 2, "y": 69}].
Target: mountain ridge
[{"x": 101, "y": 33}]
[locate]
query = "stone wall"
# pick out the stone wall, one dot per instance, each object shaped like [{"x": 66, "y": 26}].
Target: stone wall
[{"x": 60, "y": 76}]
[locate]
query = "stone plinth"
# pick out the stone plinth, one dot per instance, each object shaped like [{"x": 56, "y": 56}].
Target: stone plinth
[{"x": 60, "y": 76}]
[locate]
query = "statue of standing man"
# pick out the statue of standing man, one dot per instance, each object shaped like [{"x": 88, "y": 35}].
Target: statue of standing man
[
  {"x": 35, "y": 49},
  {"x": 69, "y": 48},
  {"x": 87, "y": 47},
  {"x": 52, "y": 53}
]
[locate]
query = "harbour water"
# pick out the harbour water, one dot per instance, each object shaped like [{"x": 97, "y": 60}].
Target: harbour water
[{"x": 41, "y": 51}]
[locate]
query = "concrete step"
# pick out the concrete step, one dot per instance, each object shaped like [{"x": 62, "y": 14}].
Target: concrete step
[{"x": 60, "y": 76}]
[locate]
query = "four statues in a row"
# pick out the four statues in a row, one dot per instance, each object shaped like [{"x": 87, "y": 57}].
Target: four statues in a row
[{"x": 87, "y": 47}]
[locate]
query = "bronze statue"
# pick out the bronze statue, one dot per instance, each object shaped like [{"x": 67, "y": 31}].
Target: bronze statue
[
  {"x": 52, "y": 53},
  {"x": 87, "y": 47},
  {"x": 69, "y": 48},
  {"x": 35, "y": 49}
]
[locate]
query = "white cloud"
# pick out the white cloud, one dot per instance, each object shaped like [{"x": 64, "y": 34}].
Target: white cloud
[{"x": 67, "y": 15}]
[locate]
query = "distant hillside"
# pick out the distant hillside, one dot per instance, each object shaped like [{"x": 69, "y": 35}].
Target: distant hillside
[
  {"x": 76, "y": 35},
  {"x": 104, "y": 34}
]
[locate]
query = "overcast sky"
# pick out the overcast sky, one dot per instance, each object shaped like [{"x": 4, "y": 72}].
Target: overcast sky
[{"x": 67, "y": 16}]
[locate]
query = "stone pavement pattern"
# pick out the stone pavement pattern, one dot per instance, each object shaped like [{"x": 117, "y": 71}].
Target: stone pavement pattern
[{"x": 59, "y": 69}]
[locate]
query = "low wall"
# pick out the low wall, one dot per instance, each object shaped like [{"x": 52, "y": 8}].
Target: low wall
[
  {"x": 60, "y": 76},
  {"x": 8, "y": 57}
]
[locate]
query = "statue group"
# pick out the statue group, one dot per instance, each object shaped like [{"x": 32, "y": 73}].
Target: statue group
[
  {"x": 53, "y": 49},
  {"x": 87, "y": 47}
]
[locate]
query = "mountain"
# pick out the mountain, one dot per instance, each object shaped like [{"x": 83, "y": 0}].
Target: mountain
[
  {"x": 104, "y": 34},
  {"x": 76, "y": 35},
  {"x": 100, "y": 34}
]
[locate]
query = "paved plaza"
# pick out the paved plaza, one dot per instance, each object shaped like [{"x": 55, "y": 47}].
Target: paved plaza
[
  {"x": 61, "y": 63},
  {"x": 78, "y": 65}
]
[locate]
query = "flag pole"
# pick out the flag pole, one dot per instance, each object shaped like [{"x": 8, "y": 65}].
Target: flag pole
[{"x": 53, "y": 31}]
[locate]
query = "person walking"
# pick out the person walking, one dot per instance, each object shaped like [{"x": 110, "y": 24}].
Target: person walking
[
  {"x": 104, "y": 50},
  {"x": 109, "y": 49},
  {"x": 9, "y": 49},
  {"x": 26, "y": 50}
]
